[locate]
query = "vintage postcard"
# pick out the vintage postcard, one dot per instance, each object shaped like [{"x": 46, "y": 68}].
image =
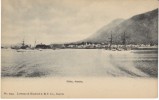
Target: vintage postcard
[{"x": 79, "y": 49}]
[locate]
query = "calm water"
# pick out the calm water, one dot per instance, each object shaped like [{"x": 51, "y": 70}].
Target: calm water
[{"x": 82, "y": 62}]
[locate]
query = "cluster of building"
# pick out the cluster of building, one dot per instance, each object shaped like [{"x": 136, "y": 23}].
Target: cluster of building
[{"x": 89, "y": 45}]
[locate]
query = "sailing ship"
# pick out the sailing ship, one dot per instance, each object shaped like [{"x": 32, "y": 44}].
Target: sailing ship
[
  {"x": 24, "y": 46},
  {"x": 124, "y": 42},
  {"x": 111, "y": 41},
  {"x": 123, "y": 39}
]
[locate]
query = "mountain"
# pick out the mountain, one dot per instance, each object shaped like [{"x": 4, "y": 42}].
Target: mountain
[{"x": 142, "y": 28}]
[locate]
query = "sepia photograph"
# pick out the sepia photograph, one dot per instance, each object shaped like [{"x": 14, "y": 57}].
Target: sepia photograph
[{"x": 79, "y": 48}]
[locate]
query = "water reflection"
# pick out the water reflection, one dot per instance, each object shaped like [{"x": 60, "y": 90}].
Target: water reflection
[{"x": 88, "y": 63}]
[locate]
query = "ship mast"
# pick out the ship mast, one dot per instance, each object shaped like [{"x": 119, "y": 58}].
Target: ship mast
[
  {"x": 111, "y": 41},
  {"x": 35, "y": 44},
  {"x": 23, "y": 43},
  {"x": 124, "y": 41}
]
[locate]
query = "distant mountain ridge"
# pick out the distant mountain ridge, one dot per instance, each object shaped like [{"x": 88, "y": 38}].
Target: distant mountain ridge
[{"x": 141, "y": 28}]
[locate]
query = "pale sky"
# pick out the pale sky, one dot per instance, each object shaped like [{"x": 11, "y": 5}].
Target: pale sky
[{"x": 58, "y": 21}]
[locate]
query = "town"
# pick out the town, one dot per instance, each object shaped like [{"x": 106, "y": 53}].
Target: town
[{"x": 87, "y": 45}]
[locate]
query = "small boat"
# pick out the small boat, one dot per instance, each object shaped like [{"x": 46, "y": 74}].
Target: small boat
[
  {"x": 25, "y": 50},
  {"x": 40, "y": 49},
  {"x": 21, "y": 50}
]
